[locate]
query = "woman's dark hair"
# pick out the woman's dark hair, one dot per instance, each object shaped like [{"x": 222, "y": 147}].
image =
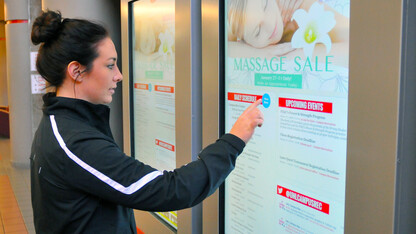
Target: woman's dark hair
[{"x": 63, "y": 41}]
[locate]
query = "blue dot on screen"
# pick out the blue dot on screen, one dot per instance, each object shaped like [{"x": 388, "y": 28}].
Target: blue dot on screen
[{"x": 266, "y": 100}]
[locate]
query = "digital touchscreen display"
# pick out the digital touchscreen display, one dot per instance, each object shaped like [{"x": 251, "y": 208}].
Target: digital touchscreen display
[
  {"x": 293, "y": 54},
  {"x": 153, "y": 86}
]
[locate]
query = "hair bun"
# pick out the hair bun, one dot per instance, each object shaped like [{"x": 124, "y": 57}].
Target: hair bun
[{"x": 46, "y": 27}]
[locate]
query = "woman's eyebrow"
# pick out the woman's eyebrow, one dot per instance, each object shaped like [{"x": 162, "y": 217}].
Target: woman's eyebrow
[{"x": 112, "y": 58}]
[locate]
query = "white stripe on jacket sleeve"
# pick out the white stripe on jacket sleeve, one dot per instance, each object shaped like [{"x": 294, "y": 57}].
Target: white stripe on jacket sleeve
[{"x": 126, "y": 190}]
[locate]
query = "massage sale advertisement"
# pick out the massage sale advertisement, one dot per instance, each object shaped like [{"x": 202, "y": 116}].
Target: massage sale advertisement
[
  {"x": 292, "y": 54},
  {"x": 153, "y": 65}
]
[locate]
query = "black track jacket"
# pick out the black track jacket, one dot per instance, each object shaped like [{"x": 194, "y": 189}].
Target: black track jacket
[{"x": 83, "y": 183}]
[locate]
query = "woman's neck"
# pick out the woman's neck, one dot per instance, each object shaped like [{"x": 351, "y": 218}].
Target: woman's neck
[{"x": 67, "y": 88}]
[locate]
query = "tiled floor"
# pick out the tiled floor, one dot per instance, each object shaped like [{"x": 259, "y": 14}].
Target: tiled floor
[{"x": 15, "y": 205}]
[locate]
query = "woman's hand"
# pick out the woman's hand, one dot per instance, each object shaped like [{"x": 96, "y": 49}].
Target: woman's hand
[{"x": 247, "y": 122}]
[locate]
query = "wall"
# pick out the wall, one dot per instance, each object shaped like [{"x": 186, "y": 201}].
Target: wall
[
  {"x": 35, "y": 8},
  {"x": 3, "y": 71},
  {"x": 18, "y": 80},
  {"x": 373, "y": 115}
]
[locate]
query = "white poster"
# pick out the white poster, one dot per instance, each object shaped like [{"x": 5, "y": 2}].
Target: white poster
[
  {"x": 33, "y": 57},
  {"x": 38, "y": 84}
]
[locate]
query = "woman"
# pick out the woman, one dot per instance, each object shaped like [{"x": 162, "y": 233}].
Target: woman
[
  {"x": 265, "y": 27},
  {"x": 81, "y": 181}
]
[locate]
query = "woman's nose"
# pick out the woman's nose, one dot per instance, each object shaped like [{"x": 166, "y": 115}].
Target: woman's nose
[{"x": 118, "y": 77}]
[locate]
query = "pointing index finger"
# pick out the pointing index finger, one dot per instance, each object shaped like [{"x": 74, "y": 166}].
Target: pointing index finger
[{"x": 254, "y": 105}]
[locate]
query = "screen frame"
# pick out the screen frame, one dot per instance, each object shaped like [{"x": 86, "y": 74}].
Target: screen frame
[
  {"x": 222, "y": 104},
  {"x": 131, "y": 82}
]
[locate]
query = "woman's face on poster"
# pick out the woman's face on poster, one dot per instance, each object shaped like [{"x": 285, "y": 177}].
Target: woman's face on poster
[{"x": 263, "y": 23}]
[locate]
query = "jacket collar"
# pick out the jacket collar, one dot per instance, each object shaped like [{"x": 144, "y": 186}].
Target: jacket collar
[{"x": 95, "y": 115}]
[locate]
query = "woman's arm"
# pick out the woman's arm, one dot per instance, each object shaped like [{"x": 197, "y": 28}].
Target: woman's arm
[
  {"x": 105, "y": 172},
  {"x": 98, "y": 167}
]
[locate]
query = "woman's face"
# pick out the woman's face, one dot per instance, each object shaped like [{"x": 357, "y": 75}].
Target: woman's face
[
  {"x": 263, "y": 23},
  {"x": 99, "y": 84}
]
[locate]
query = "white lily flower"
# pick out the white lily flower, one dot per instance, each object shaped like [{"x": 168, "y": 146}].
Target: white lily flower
[
  {"x": 166, "y": 44},
  {"x": 313, "y": 28}
]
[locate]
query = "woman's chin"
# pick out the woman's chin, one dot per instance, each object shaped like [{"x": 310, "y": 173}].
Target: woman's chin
[{"x": 108, "y": 100}]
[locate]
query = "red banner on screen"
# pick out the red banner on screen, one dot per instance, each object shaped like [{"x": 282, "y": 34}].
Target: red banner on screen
[
  {"x": 165, "y": 145},
  {"x": 141, "y": 86},
  {"x": 308, "y": 105},
  {"x": 303, "y": 199},
  {"x": 243, "y": 97},
  {"x": 165, "y": 89}
]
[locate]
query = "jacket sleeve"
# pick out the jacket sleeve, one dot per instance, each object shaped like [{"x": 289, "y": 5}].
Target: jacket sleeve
[{"x": 106, "y": 172}]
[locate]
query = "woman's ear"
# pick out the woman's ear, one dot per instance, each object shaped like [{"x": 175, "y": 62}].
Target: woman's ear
[{"x": 74, "y": 71}]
